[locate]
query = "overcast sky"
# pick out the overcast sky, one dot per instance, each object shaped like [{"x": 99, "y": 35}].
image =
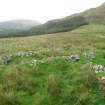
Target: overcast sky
[{"x": 43, "y": 10}]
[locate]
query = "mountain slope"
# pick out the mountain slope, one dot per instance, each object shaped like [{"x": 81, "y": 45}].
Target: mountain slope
[
  {"x": 91, "y": 16},
  {"x": 59, "y": 25},
  {"x": 45, "y": 76},
  {"x": 15, "y": 26},
  {"x": 18, "y": 24},
  {"x": 95, "y": 15}
]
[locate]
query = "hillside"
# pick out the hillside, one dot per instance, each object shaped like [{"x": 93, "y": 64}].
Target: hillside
[
  {"x": 60, "y": 25},
  {"x": 95, "y": 15},
  {"x": 36, "y": 70},
  {"x": 91, "y": 16},
  {"x": 15, "y": 26}
]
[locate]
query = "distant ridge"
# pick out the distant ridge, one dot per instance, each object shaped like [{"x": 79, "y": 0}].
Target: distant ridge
[
  {"x": 19, "y": 24},
  {"x": 15, "y": 26},
  {"x": 91, "y": 16}
]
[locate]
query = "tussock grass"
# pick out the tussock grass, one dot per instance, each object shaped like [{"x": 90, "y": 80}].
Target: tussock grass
[{"x": 55, "y": 81}]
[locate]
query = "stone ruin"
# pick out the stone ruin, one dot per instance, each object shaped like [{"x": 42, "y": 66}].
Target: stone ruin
[
  {"x": 98, "y": 68},
  {"x": 90, "y": 55},
  {"x": 6, "y": 59},
  {"x": 25, "y": 54},
  {"x": 73, "y": 57}
]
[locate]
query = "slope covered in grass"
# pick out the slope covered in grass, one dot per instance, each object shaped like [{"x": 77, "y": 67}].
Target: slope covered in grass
[
  {"x": 95, "y": 15},
  {"x": 8, "y": 28},
  {"x": 86, "y": 37},
  {"x": 59, "y": 25},
  {"x": 91, "y": 16},
  {"x": 46, "y": 77}
]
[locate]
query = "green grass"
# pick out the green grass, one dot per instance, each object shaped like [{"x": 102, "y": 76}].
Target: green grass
[{"x": 55, "y": 81}]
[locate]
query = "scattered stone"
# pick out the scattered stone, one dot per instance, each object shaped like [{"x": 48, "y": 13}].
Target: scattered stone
[
  {"x": 102, "y": 78},
  {"x": 34, "y": 61},
  {"x": 96, "y": 72},
  {"x": 90, "y": 55},
  {"x": 25, "y": 54},
  {"x": 6, "y": 59},
  {"x": 20, "y": 54},
  {"x": 30, "y": 53},
  {"x": 98, "y": 68},
  {"x": 74, "y": 58}
]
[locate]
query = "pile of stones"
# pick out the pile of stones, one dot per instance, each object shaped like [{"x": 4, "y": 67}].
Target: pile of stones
[
  {"x": 98, "y": 68},
  {"x": 89, "y": 56},
  {"x": 6, "y": 59},
  {"x": 74, "y": 58},
  {"x": 101, "y": 78},
  {"x": 25, "y": 54},
  {"x": 35, "y": 62}
]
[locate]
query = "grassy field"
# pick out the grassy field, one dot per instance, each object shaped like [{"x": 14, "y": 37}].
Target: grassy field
[{"x": 45, "y": 77}]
